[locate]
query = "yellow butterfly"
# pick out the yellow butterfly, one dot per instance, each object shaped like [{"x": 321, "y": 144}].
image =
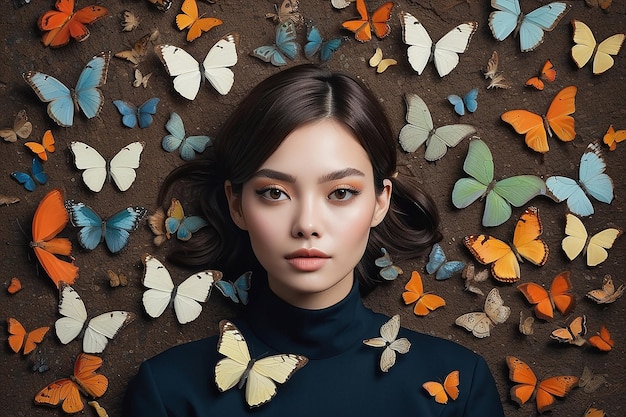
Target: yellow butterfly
[
  {"x": 586, "y": 45},
  {"x": 607, "y": 294},
  {"x": 578, "y": 240},
  {"x": 388, "y": 340},
  {"x": 377, "y": 61},
  {"x": 442, "y": 392},
  {"x": 259, "y": 376},
  {"x": 197, "y": 24}
]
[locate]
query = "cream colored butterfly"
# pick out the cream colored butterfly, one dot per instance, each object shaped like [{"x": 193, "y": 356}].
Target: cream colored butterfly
[
  {"x": 388, "y": 340},
  {"x": 480, "y": 323},
  {"x": 577, "y": 240},
  {"x": 586, "y": 45},
  {"x": 259, "y": 376},
  {"x": 377, "y": 61},
  {"x": 608, "y": 293}
]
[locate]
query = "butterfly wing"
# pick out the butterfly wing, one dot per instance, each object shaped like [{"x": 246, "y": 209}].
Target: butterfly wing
[
  {"x": 612, "y": 137},
  {"x": 190, "y": 225},
  {"x": 526, "y": 237},
  {"x": 451, "y": 385},
  {"x": 489, "y": 250},
  {"x": 602, "y": 340},
  {"x": 592, "y": 176},
  {"x": 420, "y": 44},
  {"x": 232, "y": 344},
  {"x": 93, "y": 164},
  {"x": 470, "y": 100},
  {"x": 72, "y": 308},
  {"x": 476, "y": 322},
  {"x": 124, "y": 163},
  {"x": 89, "y": 98},
  {"x": 380, "y": 20},
  {"x": 129, "y": 113},
  {"x": 521, "y": 373},
  {"x": 494, "y": 307},
  {"x": 533, "y": 25},
  {"x": 183, "y": 67},
  {"x": 104, "y": 327},
  {"x": 286, "y": 39},
  {"x": 118, "y": 227},
  {"x": 419, "y": 123},
  {"x": 576, "y": 236},
  {"x": 537, "y": 295},
  {"x": 445, "y": 137},
  {"x": 85, "y": 375},
  {"x": 558, "y": 115},
  {"x": 556, "y": 385},
  {"x": 260, "y": 387},
  {"x": 573, "y": 333},
  {"x": 563, "y": 188},
  {"x": 314, "y": 41},
  {"x": 90, "y": 234},
  {"x": 455, "y": 42},
  {"x": 598, "y": 245},
  {"x": 55, "y": 93},
  {"x": 215, "y": 66},
  {"x": 192, "y": 291},
  {"x": 610, "y": 46},
  {"x": 157, "y": 278},
  {"x": 21, "y": 128},
  {"x": 585, "y": 43},
  {"x": 145, "y": 112},
  {"x": 63, "y": 391},
  {"x": 360, "y": 27},
  {"x": 176, "y": 137},
  {"x": 436, "y": 258},
  {"x": 531, "y": 125},
  {"x": 17, "y": 334},
  {"x": 436, "y": 390}
]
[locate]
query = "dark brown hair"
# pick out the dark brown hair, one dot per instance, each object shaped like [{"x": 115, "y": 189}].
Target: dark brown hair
[{"x": 264, "y": 118}]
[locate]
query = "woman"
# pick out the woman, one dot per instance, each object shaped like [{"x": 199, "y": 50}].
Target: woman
[{"x": 302, "y": 189}]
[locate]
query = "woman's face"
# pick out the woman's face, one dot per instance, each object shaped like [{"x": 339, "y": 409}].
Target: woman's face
[{"x": 308, "y": 210}]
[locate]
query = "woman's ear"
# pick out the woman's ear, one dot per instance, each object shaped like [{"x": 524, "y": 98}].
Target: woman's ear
[
  {"x": 382, "y": 203},
  {"x": 234, "y": 206}
]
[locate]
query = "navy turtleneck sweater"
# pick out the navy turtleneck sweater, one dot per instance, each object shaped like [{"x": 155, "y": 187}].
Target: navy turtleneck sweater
[{"x": 342, "y": 377}]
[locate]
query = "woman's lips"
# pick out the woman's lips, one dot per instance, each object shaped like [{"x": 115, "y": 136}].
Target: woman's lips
[{"x": 307, "y": 260}]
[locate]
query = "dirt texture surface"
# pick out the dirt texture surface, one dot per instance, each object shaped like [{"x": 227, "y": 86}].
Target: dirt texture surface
[{"x": 599, "y": 103}]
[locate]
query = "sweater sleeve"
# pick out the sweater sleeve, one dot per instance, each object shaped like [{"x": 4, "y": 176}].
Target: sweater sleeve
[
  {"x": 142, "y": 396},
  {"x": 484, "y": 399}
]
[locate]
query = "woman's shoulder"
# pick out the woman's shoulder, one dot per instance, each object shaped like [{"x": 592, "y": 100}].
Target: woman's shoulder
[{"x": 190, "y": 355}]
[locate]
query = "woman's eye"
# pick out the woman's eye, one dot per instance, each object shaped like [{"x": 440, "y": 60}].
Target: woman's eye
[
  {"x": 273, "y": 194},
  {"x": 342, "y": 194}
]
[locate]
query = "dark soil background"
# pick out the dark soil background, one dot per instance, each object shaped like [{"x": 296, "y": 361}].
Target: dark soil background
[{"x": 599, "y": 103}]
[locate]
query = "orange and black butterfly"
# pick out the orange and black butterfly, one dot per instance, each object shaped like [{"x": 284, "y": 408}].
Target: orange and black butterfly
[{"x": 63, "y": 23}]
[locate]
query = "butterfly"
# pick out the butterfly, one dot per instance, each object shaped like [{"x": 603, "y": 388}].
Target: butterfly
[
  {"x": 449, "y": 390},
  {"x": 499, "y": 195},
  {"x": 572, "y": 333},
  {"x": 186, "y": 145},
  {"x": 528, "y": 384},
  {"x": 14, "y": 286},
  {"x": 47, "y": 144},
  {"x": 49, "y": 219},
  {"x": 479, "y": 322},
  {"x": 589, "y": 381},
  {"x": 289, "y": 10},
  {"x": 378, "y": 23},
  {"x": 560, "y": 296},
  {"x": 586, "y": 45},
  {"x": 594, "y": 412},
  {"x": 237, "y": 291},
  {"x": 420, "y": 129},
  {"x": 530, "y": 27},
  {"x": 467, "y": 102},
  {"x": 377, "y": 61},
  {"x": 63, "y": 102},
  {"x": 424, "y": 302},
  {"x": 130, "y": 21},
  {"x": 176, "y": 223},
  {"x": 30, "y": 182},
  {"x": 115, "y": 231},
  {"x": 186, "y": 297},
  {"x": 19, "y": 338},
  {"x": 438, "y": 263},
  {"x": 608, "y": 293},
  {"x": 444, "y": 53},
  {"x": 189, "y": 18},
  {"x": 6, "y": 200},
  {"x": 142, "y": 115},
  {"x": 340, "y": 4},
  {"x": 547, "y": 74},
  {"x": 137, "y": 53},
  {"x": 526, "y": 324},
  {"x": 472, "y": 278},
  {"x": 96, "y": 332},
  {"x": 67, "y": 390},
  {"x": 40, "y": 365},
  {"x": 63, "y": 23},
  {"x": 189, "y": 73},
  {"x": 602, "y": 340},
  {"x": 117, "y": 280},
  {"x": 156, "y": 222},
  {"x": 388, "y": 270},
  {"x": 96, "y": 169},
  {"x": 389, "y": 340},
  {"x": 100, "y": 411},
  {"x": 285, "y": 46},
  {"x": 22, "y": 128},
  {"x": 558, "y": 120},
  {"x": 613, "y": 137},
  {"x": 577, "y": 240},
  {"x": 162, "y": 5},
  {"x": 316, "y": 44},
  {"x": 258, "y": 375},
  {"x": 491, "y": 72},
  {"x": 140, "y": 79},
  {"x": 592, "y": 180}
]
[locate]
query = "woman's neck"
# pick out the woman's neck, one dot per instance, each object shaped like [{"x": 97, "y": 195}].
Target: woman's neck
[{"x": 313, "y": 300}]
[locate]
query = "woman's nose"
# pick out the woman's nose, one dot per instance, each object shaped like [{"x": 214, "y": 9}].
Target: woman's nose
[{"x": 306, "y": 220}]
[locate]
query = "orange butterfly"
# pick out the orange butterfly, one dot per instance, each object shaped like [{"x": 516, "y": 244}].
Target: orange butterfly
[
  {"x": 613, "y": 137},
  {"x": 363, "y": 27},
  {"x": 560, "y": 296},
  {"x": 14, "y": 286},
  {"x": 62, "y": 23},
  {"x": 557, "y": 120},
  {"x": 67, "y": 390},
  {"x": 47, "y": 144},
  {"x": 424, "y": 302},
  {"x": 19, "y": 337},
  {"x": 442, "y": 392},
  {"x": 544, "y": 391},
  {"x": 49, "y": 219},
  {"x": 594, "y": 412},
  {"x": 547, "y": 73},
  {"x": 573, "y": 333},
  {"x": 189, "y": 18},
  {"x": 504, "y": 259},
  {"x": 602, "y": 340}
]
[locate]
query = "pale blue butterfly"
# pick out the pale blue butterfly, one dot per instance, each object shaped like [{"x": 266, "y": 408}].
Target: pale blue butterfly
[
  {"x": 468, "y": 101},
  {"x": 181, "y": 225},
  {"x": 437, "y": 262},
  {"x": 388, "y": 270},
  {"x": 509, "y": 18},
  {"x": 499, "y": 195},
  {"x": 142, "y": 115},
  {"x": 284, "y": 47},
  {"x": 115, "y": 231},
  {"x": 186, "y": 145},
  {"x": 61, "y": 107},
  {"x": 316, "y": 44},
  {"x": 27, "y": 180},
  {"x": 237, "y": 291},
  {"x": 591, "y": 180}
]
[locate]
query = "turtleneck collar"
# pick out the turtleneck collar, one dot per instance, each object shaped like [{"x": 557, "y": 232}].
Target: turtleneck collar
[{"x": 316, "y": 334}]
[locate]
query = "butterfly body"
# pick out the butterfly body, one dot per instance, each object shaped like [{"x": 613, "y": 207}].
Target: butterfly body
[
  {"x": 480, "y": 323},
  {"x": 560, "y": 296},
  {"x": 365, "y": 25}
]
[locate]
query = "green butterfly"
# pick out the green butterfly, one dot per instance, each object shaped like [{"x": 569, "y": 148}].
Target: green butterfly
[{"x": 499, "y": 195}]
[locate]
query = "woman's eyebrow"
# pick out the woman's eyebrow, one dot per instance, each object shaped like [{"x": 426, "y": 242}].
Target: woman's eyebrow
[
  {"x": 275, "y": 175},
  {"x": 331, "y": 176}
]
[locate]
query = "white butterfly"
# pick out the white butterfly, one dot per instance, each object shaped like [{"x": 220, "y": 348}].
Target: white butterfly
[
  {"x": 388, "y": 340},
  {"x": 259, "y": 376},
  {"x": 445, "y": 51},
  {"x": 420, "y": 129},
  {"x": 186, "y": 297},
  {"x": 480, "y": 323},
  {"x": 98, "y": 330},
  {"x": 121, "y": 168},
  {"x": 189, "y": 73}
]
